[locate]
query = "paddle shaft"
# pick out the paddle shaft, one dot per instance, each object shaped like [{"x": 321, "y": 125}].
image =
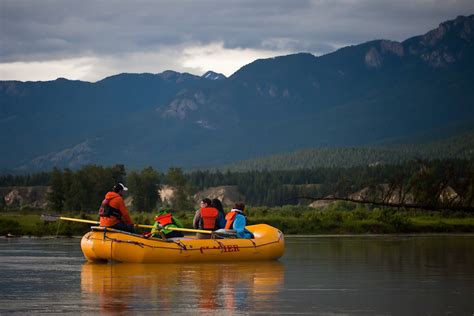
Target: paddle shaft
[{"x": 72, "y": 219}]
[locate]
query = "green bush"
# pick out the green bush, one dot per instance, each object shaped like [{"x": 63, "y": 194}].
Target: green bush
[
  {"x": 8, "y": 226},
  {"x": 290, "y": 219}
]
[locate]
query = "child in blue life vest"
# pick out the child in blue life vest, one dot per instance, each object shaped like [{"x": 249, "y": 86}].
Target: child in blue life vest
[{"x": 236, "y": 220}]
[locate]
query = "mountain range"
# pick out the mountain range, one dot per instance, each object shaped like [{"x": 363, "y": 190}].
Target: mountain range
[{"x": 378, "y": 92}]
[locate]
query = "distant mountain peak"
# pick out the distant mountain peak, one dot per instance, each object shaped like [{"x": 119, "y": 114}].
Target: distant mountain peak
[
  {"x": 448, "y": 43},
  {"x": 171, "y": 75},
  {"x": 211, "y": 75}
]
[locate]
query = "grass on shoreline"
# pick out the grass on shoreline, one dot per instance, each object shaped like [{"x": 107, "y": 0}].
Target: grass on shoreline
[{"x": 338, "y": 218}]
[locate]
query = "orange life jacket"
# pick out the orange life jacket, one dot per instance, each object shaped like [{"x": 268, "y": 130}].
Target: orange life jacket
[
  {"x": 209, "y": 217},
  {"x": 164, "y": 219},
  {"x": 230, "y": 217}
]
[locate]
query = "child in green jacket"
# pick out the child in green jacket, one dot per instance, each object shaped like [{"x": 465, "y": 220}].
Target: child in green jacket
[{"x": 163, "y": 221}]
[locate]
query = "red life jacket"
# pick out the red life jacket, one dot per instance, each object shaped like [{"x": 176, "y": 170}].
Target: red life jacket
[
  {"x": 209, "y": 217},
  {"x": 164, "y": 219},
  {"x": 230, "y": 217}
]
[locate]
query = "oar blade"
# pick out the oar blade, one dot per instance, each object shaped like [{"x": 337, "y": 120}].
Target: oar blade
[{"x": 49, "y": 217}]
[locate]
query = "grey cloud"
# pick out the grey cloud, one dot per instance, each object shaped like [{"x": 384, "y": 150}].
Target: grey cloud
[{"x": 50, "y": 29}]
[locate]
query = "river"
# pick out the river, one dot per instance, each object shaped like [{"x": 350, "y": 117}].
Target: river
[{"x": 364, "y": 275}]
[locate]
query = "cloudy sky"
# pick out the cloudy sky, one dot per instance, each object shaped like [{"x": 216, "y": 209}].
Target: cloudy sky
[{"x": 89, "y": 40}]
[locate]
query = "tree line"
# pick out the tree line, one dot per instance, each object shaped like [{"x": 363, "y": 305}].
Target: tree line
[
  {"x": 40, "y": 178},
  {"x": 419, "y": 183},
  {"x": 84, "y": 189}
]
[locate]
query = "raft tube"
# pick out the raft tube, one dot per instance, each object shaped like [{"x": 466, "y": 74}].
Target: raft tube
[{"x": 105, "y": 244}]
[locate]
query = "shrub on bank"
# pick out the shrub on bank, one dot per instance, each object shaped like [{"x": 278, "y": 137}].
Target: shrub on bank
[
  {"x": 9, "y": 227},
  {"x": 348, "y": 219}
]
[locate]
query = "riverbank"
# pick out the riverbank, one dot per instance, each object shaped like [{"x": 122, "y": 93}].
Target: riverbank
[{"x": 338, "y": 219}]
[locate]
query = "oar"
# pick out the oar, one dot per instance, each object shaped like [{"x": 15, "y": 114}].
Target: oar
[
  {"x": 188, "y": 230},
  {"x": 53, "y": 218}
]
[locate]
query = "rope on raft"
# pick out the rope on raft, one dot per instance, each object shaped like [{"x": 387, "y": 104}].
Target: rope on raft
[
  {"x": 143, "y": 245},
  {"x": 183, "y": 246}
]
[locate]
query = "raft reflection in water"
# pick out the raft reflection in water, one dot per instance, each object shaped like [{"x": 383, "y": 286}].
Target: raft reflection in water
[{"x": 252, "y": 286}]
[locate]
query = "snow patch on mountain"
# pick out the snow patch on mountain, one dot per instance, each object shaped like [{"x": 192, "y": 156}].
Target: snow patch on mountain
[{"x": 211, "y": 75}]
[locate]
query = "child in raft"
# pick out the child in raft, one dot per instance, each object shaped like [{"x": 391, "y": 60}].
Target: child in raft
[
  {"x": 236, "y": 220},
  {"x": 163, "y": 222}
]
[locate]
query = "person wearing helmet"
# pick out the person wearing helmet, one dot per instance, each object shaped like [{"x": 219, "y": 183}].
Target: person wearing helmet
[{"x": 113, "y": 213}]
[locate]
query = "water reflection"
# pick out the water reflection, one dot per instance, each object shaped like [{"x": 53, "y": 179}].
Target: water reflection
[
  {"x": 383, "y": 275},
  {"x": 401, "y": 275},
  {"x": 116, "y": 288}
]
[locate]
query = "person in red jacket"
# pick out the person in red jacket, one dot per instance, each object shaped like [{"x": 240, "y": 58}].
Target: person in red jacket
[{"x": 113, "y": 213}]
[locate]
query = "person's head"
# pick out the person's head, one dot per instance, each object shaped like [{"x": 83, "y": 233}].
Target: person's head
[
  {"x": 217, "y": 204},
  {"x": 120, "y": 188},
  {"x": 162, "y": 211},
  {"x": 165, "y": 210},
  {"x": 206, "y": 202},
  {"x": 239, "y": 206}
]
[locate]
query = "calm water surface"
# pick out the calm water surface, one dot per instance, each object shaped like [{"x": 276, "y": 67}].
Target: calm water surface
[{"x": 382, "y": 275}]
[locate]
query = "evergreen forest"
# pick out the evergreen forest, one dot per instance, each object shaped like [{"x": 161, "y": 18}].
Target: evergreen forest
[{"x": 420, "y": 183}]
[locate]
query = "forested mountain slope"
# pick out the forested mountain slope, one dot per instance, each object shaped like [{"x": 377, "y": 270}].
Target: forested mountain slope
[
  {"x": 374, "y": 93},
  {"x": 458, "y": 147}
]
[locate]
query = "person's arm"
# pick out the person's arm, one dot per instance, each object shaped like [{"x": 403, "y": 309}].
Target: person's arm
[
  {"x": 221, "y": 220},
  {"x": 239, "y": 223},
  {"x": 197, "y": 218},
  {"x": 177, "y": 222},
  {"x": 125, "y": 215},
  {"x": 156, "y": 228},
  {"x": 239, "y": 226}
]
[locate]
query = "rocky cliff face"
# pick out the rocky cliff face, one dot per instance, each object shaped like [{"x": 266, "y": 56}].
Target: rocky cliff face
[
  {"x": 227, "y": 194},
  {"x": 24, "y": 197},
  {"x": 445, "y": 45},
  {"x": 36, "y": 196}
]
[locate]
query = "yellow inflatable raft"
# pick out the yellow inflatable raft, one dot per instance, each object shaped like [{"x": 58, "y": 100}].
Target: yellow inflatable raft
[{"x": 108, "y": 244}]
